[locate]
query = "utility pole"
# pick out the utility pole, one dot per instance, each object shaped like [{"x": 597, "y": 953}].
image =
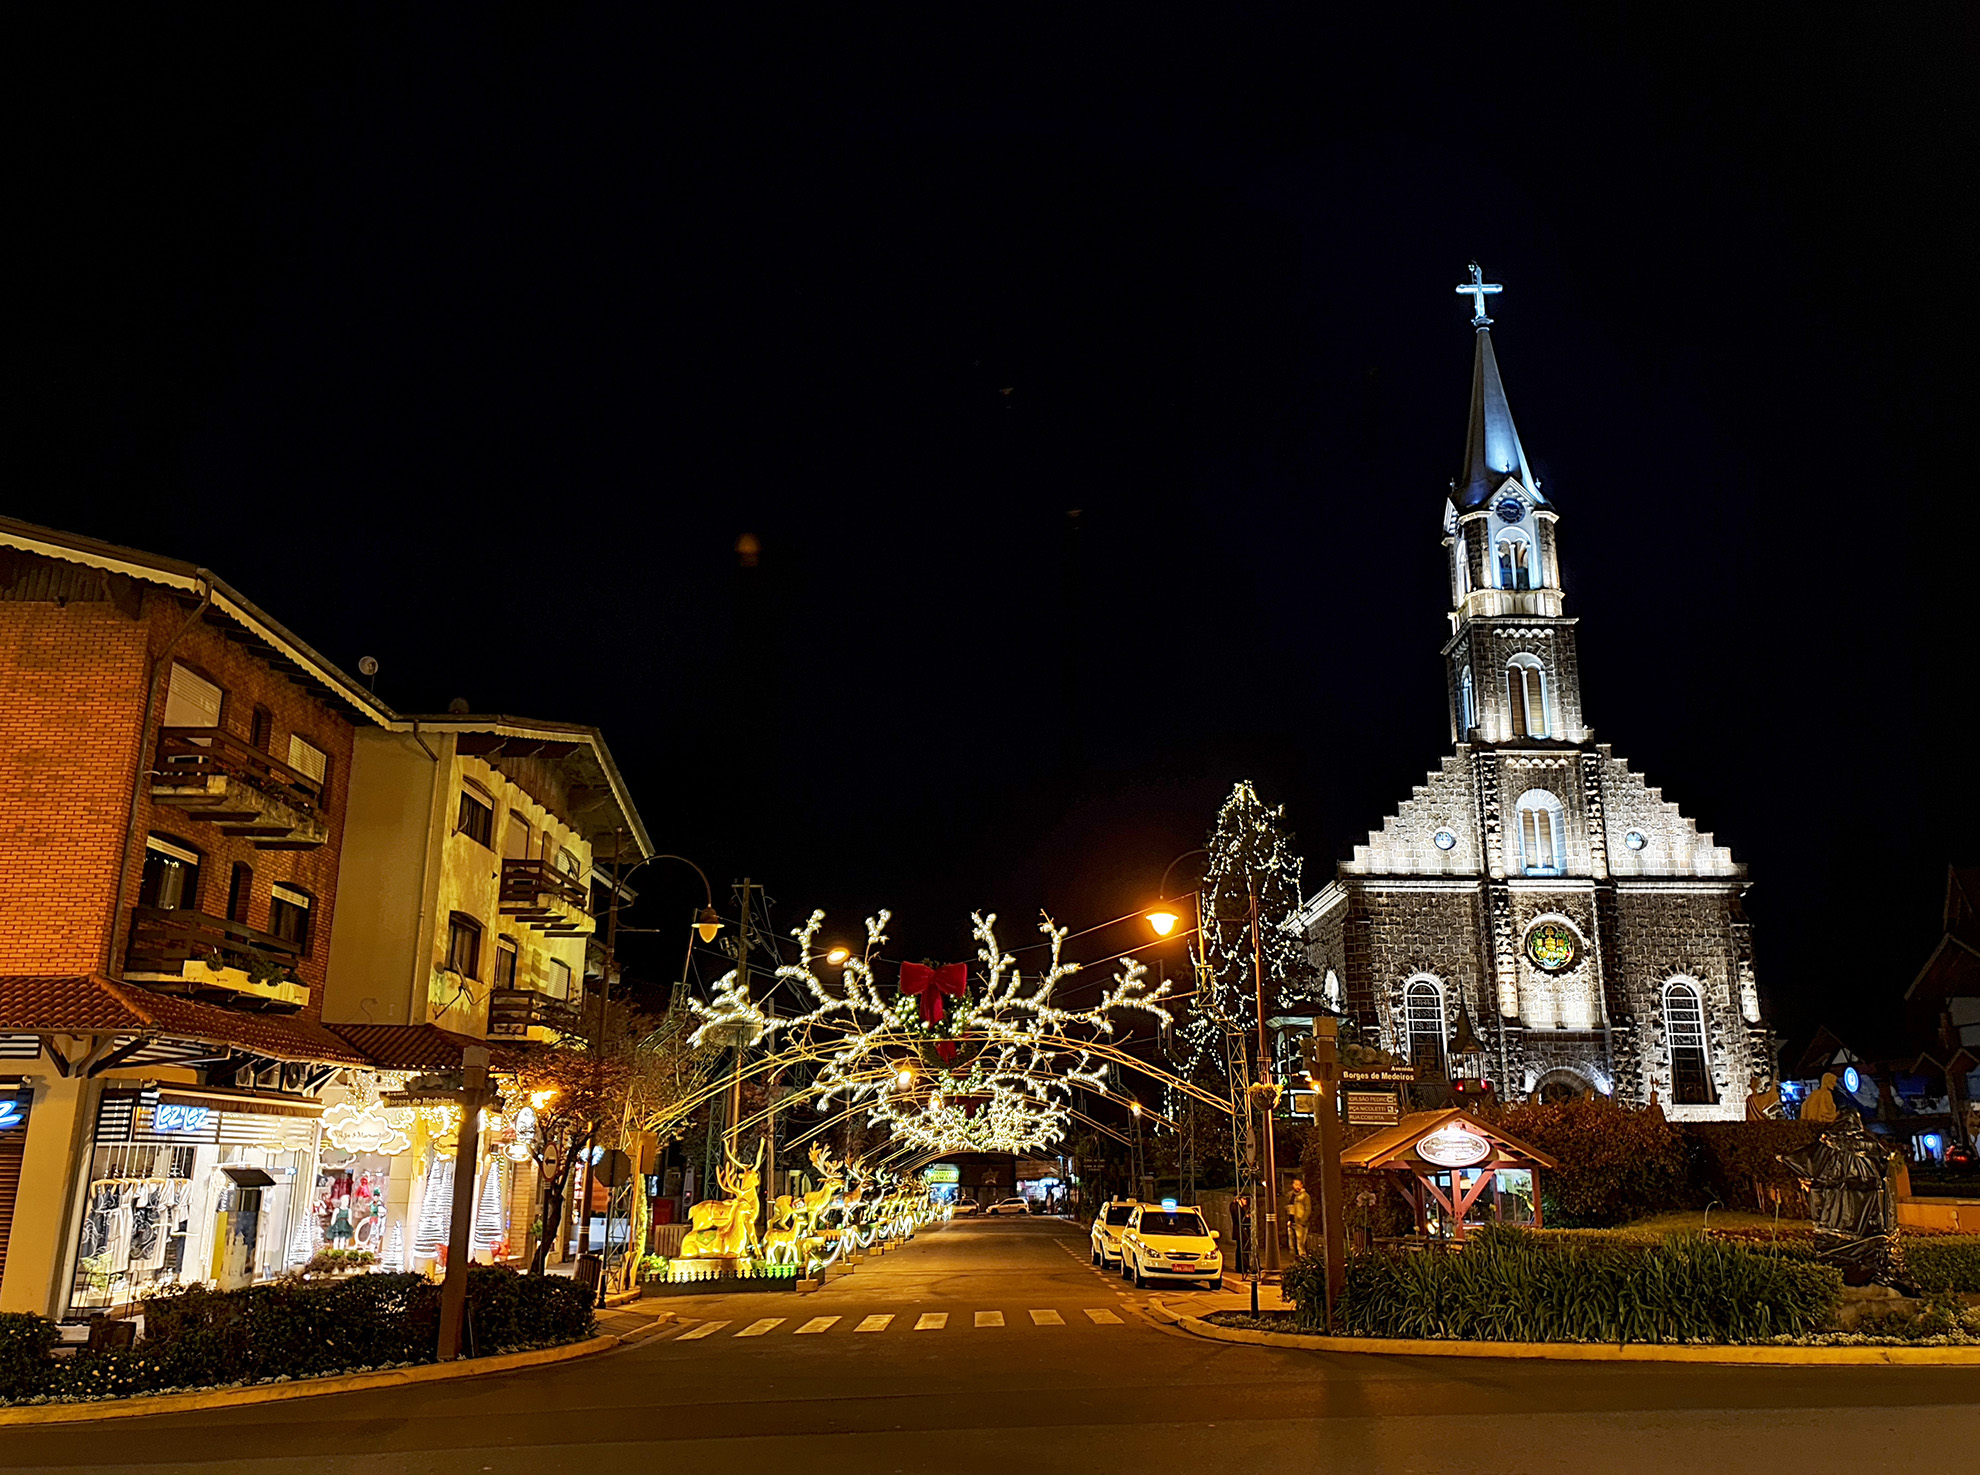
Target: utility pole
[
  {"x": 470, "y": 1093},
  {"x": 731, "y": 1145},
  {"x": 1324, "y": 1065},
  {"x": 1268, "y": 1198}
]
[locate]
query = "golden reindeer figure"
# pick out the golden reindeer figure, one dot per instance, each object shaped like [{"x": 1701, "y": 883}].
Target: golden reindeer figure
[
  {"x": 794, "y": 1221},
  {"x": 726, "y": 1228}
]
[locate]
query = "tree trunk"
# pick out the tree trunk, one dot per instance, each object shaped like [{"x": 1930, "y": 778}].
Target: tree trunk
[{"x": 553, "y": 1213}]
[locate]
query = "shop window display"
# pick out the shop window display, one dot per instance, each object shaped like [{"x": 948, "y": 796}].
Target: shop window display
[{"x": 160, "y": 1214}]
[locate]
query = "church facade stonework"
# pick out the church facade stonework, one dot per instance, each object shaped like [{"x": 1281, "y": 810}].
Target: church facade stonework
[{"x": 1533, "y": 885}]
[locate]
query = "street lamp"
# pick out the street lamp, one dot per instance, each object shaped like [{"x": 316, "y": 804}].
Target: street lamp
[
  {"x": 1164, "y": 922},
  {"x": 838, "y": 955}
]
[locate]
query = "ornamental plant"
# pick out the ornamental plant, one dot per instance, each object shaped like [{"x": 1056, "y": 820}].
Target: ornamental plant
[
  {"x": 1511, "y": 1285},
  {"x": 1615, "y": 1164}
]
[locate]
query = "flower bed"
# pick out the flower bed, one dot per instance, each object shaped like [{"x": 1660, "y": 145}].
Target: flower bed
[
  {"x": 1512, "y": 1286},
  {"x": 202, "y": 1338}
]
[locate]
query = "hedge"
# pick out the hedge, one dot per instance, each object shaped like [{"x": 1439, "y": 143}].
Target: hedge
[
  {"x": 1943, "y": 1262},
  {"x": 1615, "y": 1165},
  {"x": 196, "y": 1337},
  {"x": 1509, "y": 1285}
]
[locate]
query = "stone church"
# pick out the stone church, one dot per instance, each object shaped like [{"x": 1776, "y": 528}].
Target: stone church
[{"x": 1535, "y": 914}]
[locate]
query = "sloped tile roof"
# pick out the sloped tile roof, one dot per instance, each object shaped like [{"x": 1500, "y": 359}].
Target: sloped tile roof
[
  {"x": 87, "y": 1004},
  {"x": 416, "y": 1046}
]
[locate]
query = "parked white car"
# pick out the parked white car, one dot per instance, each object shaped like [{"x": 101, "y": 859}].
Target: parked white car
[{"x": 1009, "y": 1206}]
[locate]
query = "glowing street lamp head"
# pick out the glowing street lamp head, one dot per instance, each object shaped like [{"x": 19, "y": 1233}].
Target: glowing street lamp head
[
  {"x": 838, "y": 955},
  {"x": 1135, "y": 1107},
  {"x": 1163, "y": 922},
  {"x": 540, "y": 1099},
  {"x": 905, "y": 1078},
  {"x": 708, "y": 924}
]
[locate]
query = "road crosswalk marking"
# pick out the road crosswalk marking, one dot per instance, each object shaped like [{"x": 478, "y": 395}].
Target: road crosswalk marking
[
  {"x": 1100, "y": 1316},
  {"x": 817, "y": 1324},
  {"x": 1047, "y": 1318},
  {"x": 989, "y": 1318},
  {"x": 758, "y": 1328},
  {"x": 932, "y": 1321},
  {"x": 706, "y": 1329},
  {"x": 875, "y": 1323}
]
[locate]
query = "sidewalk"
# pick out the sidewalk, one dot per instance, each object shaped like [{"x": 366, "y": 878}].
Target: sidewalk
[{"x": 1235, "y": 1296}]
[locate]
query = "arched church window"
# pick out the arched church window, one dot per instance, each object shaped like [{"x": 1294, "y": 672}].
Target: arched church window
[
  {"x": 1542, "y": 834},
  {"x": 1526, "y": 697},
  {"x": 1423, "y": 1015},
  {"x": 1517, "y": 565},
  {"x": 1684, "y": 1034},
  {"x": 1468, "y": 698},
  {"x": 1333, "y": 990}
]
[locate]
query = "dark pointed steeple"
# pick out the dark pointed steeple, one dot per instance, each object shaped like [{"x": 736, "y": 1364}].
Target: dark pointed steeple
[{"x": 1492, "y": 451}]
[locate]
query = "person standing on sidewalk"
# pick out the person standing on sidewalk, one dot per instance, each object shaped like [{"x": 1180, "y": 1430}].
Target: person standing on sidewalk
[
  {"x": 1241, "y": 1233},
  {"x": 1299, "y": 1215}
]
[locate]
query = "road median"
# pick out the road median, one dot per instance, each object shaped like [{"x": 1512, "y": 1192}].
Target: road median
[{"x": 1744, "y": 1355}]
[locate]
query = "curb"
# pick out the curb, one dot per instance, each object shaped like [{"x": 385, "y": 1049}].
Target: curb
[
  {"x": 1582, "y": 1351},
  {"x": 426, "y": 1372}
]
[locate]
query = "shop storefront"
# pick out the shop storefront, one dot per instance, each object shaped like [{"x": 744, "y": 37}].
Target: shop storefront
[
  {"x": 16, "y": 1103},
  {"x": 191, "y": 1186}
]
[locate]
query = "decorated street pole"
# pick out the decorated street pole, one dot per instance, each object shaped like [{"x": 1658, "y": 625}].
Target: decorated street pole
[
  {"x": 1268, "y": 1198},
  {"x": 1324, "y": 1065},
  {"x": 470, "y": 1092}
]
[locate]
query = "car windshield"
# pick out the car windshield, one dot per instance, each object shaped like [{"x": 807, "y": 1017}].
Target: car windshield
[
  {"x": 1119, "y": 1214},
  {"x": 1178, "y": 1221}
]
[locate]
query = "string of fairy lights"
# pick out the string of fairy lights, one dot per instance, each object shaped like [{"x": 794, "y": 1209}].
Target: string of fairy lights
[{"x": 993, "y": 1073}]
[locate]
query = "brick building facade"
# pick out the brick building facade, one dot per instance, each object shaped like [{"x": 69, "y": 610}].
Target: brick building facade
[{"x": 1533, "y": 883}]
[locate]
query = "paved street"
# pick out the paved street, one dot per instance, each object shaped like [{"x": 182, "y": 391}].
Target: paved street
[{"x": 994, "y": 1345}]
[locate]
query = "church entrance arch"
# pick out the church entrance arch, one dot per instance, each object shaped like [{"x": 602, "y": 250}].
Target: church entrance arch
[{"x": 1562, "y": 1085}]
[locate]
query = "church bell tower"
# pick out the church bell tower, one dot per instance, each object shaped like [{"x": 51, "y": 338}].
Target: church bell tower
[{"x": 1510, "y": 661}]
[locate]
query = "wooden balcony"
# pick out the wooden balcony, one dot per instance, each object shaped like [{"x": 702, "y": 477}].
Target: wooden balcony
[
  {"x": 539, "y": 895},
  {"x": 181, "y": 951},
  {"x": 525, "y": 1014},
  {"x": 214, "y": 776}
]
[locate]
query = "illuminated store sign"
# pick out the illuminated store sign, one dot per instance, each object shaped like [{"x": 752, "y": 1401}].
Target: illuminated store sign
[
  {"x": 1453, "y": 1147},
  {"x": 174, "y": 1118},
  {"x": 11, "y": 1114}
]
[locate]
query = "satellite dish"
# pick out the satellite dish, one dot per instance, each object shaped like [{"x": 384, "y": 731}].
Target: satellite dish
[{"x": 367, "y": 665}]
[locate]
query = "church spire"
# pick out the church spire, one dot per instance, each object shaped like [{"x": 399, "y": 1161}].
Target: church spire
[{"x": 1492, "y": 451}]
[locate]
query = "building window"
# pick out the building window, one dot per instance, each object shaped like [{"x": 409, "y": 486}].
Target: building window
[
  {"x": 288, "y": 916},
  {"x": 309, "y": 760},
  {"x": 191, "y": 700},
  {"x": 515, "y": 839},
  {"x": 1684, "y": 1030},
  {"x": 1468, "y": 702},
  {"x": 464, "y": 945},
  {"x": 171, "y": 874},
  {"x": 261, "y": 729},
  {"x": 1526, "y": 697},
  {"x": 569, "y": 864},
  {"x": 1423, "y": 1012},
  {"x": 1515, "y": 562},
  {"x": 240, "y": 891},
  {"x": 560, "y": 978},
  {"x": 505, "y": 962},
  {"x": 477, "y": 818},
  {"x": 1542, "y": 834}
]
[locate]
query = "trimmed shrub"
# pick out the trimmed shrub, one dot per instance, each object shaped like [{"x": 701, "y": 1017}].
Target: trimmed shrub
[
  {"x": 1738, "y": 1163},
  {"x": 1615, "y": 1164},
  {"x": 197, "y": 1337},
  {"x": 1508, "y": 1285},
  {"x": 1944, "y": 1262},
  {"x": 25, "y": 1343}
]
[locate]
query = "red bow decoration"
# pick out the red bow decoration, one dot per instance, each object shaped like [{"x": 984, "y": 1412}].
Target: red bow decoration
[{"x": 919, "y": 981}]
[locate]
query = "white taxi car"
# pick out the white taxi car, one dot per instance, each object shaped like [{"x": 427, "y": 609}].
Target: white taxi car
[
  {"x": 1108, "y": 1225},
  {"x": 1164, "y": 1242}
]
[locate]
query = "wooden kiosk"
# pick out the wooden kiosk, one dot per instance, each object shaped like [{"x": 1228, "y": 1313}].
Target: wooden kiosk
[{"x": 1450, "y": 1163}]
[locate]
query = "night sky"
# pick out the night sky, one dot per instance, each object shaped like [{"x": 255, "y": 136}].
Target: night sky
[{"x": 474, "y": 344}]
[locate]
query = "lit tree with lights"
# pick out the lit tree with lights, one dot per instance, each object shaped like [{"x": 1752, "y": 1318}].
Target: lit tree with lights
[{"x": 1253, "y": 871}]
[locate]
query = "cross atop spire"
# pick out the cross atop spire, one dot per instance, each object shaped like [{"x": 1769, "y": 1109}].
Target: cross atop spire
[{"x": 1478, "y": 289}]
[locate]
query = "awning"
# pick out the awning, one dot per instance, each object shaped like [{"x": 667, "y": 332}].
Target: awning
[{"x": 87, "y": 1004}]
